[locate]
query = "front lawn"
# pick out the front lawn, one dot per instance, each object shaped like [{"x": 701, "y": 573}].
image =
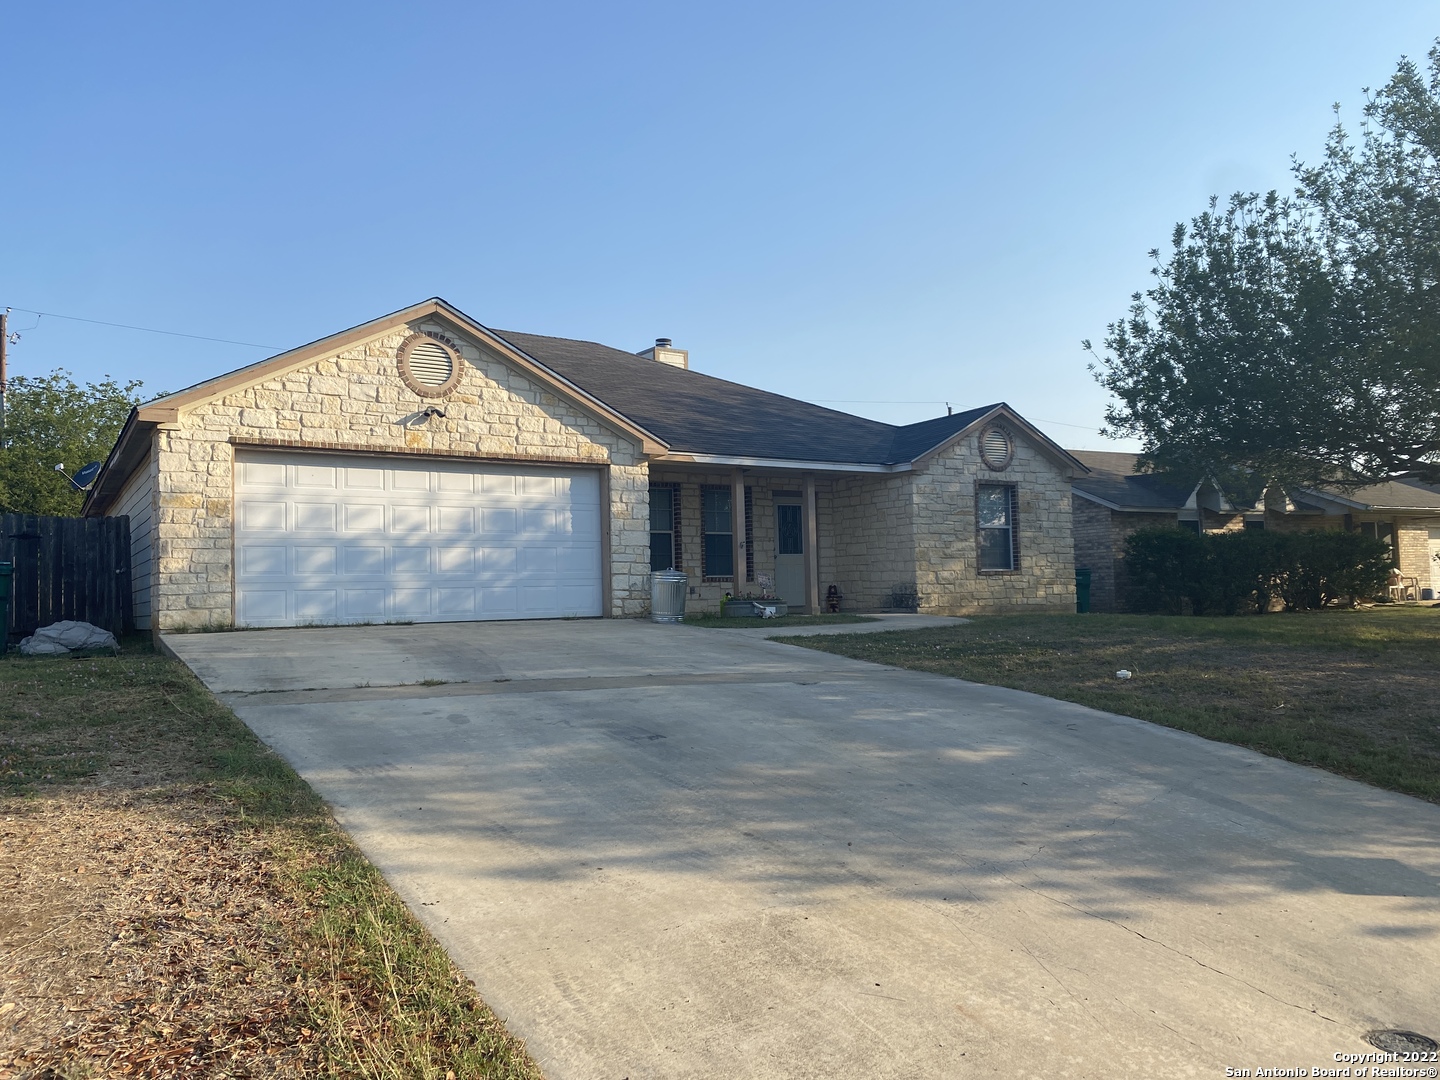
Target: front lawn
[
  {"x": 1355, "y": 692},
  {"x": 179, "y": 903}
]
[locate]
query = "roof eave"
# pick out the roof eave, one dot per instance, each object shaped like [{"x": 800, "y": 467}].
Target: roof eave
[
  {"x": 786, "y": 464},
  {"x": 1121, "y": 507}
]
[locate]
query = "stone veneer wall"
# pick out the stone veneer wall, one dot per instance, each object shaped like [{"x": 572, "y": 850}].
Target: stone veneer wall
[
  {"x": 871, "y": 528},
  {"x": 948, "y": 578},
  {"x": 353, "y": 401}
]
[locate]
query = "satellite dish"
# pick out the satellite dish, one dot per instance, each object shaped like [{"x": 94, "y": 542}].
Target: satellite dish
[{"x": 82, "y": 480}]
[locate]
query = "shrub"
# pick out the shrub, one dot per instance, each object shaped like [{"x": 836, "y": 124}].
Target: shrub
[{"x": 1227, "y": 573}]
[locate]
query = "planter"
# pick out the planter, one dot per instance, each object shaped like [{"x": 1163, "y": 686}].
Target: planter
[{"x": 753, "y": 609}]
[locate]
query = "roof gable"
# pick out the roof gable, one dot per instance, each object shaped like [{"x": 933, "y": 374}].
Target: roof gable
[{"x": 165, "y": 409}]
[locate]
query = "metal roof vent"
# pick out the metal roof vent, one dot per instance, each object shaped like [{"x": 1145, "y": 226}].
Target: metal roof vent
[
  {"x": 996, "y": 448},
  {"x": 430, "y": 364}
]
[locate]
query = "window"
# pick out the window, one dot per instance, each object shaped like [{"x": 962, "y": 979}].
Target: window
[
  {"x": 718, "y": 529},
  {"x": 1383, "y": 531},
  {"x": 1258, "y": 524},
  {"x": 664, "y": 526},
  {"x": 996, "y": 506}
]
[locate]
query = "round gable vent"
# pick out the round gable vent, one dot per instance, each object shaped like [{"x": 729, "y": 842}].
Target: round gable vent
[
  {"x": 996, "y": 449},
  {"x": 430, "y": 364}
]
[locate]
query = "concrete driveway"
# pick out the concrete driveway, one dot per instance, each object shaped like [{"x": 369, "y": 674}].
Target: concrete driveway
[{"x": 676, "y": 852}]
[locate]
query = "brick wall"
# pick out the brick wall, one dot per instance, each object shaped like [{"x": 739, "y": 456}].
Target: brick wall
[
  {"x": 354, "y": 400},
  {"x": 1412, "y": 543}
]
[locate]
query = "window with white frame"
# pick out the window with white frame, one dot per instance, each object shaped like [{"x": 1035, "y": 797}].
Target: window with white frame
[{"x": 997, "y": 537}]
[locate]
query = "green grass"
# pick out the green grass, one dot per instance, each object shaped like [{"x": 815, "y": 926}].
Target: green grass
[
  {"x": 1354, "y": 692},
  {"x": 749, "y": 622},
  {"x": 386, "y": 1001}
]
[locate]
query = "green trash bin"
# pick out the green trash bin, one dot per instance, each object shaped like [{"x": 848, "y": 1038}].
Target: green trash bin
[
  {"x": 6, "y": 569},
  {"x": 1082, "y": 590}
]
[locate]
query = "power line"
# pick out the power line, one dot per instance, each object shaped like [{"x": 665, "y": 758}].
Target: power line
[
  {"x": 146, "y": 329},
  {"x": 933, "y": 401}
]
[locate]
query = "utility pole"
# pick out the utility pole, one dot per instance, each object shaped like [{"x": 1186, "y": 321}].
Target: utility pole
[{"x": 4, "y": 345}]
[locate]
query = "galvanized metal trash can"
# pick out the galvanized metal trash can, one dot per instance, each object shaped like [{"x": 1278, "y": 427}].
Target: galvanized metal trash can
[{"x": 667, "y": 596}]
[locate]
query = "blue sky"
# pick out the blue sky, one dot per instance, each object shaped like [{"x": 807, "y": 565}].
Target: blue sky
[{"x": 879, "y": 207}]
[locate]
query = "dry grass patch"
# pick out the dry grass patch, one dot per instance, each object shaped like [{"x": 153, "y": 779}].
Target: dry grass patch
[
  {"x": 1350, "y": 691},
  {"x": 180, "y": 904}
]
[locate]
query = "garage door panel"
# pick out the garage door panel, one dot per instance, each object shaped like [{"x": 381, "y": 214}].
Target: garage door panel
[
  {"x": 499, "y": 521},
  {"x": 314, "y": 560},
  {"x": 364, "y": 561},
  {"x": 405, "y": 560},
  {"x": 262, "y": 607},
  {"x": 262, "y": 474},
  {"x": 315, "y": 517},
  {"x": 258, "y": 515},
  {"x": 578, "y": 599},
  {"x": 315, "y": 476},
  {"x": 364, "y": 604},
  {"x": 421, "y": 541},
  {"x": 410, "y": 519},
  {"x": 259, "y": 560},
  {"x": 497, "y": 483},
  {"x": 314, "y": 605},
  {"x": 456, "y": 603},
  {"x": 456, "y": 519},
  {"x": 537, "y": 560},
  {"x": 455, "y": 482},
  {"x": 457, "y": 560},
  {"x": 364, "y": 517},
  {"x": 578, "y": 561}
]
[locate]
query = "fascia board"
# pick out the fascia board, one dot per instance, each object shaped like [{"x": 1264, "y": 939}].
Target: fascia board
[
  {"x": 1089, "y": 497},
  {"x": 1336, "y": 500},
  {"x": 99, "y": 498},
  {"x": 777, "y": 463}
]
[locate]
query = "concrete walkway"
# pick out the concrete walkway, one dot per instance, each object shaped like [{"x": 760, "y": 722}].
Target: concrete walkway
[{"x": 675, "y": 852}]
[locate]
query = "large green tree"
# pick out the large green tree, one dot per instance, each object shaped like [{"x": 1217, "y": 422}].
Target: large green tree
[
  {"x": 1299, "y": 337},
  {"x": 52, "y": 420}
]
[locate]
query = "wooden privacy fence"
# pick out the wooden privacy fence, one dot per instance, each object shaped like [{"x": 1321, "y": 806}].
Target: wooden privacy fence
[{"x": 67, "y": 568}]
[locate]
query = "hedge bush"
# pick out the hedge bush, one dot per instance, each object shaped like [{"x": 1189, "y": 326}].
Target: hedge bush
[{"x": 1231, "y": 573}]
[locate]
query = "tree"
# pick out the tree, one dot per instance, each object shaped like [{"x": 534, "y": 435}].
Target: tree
[
  {"x": 51, "y": 420},
  {"x": 1299, "y": 338}
]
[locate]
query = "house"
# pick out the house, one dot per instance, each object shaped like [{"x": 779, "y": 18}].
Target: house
[
  {"x": 1113, "y": 500},
  {"x": 425, "y": 467}
]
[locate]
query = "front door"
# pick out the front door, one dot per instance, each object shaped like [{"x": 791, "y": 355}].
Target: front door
[
  {"x": 1434, "y": 562},
  {"x": 789, "y": 553}
]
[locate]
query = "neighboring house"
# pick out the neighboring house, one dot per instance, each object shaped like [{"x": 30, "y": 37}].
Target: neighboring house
[
  {"x": 424, "y": 467},
  {"x": 1112, "y": 501}
]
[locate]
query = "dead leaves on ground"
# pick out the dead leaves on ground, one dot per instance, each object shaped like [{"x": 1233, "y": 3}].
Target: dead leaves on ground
[{"x": 145, "y": 939}]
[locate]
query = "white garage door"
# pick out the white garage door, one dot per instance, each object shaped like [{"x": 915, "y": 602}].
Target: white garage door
[{"x": 336, "y": 538}]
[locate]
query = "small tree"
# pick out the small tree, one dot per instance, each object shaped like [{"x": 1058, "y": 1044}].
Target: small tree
[{"x": 52, "y": 420}]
